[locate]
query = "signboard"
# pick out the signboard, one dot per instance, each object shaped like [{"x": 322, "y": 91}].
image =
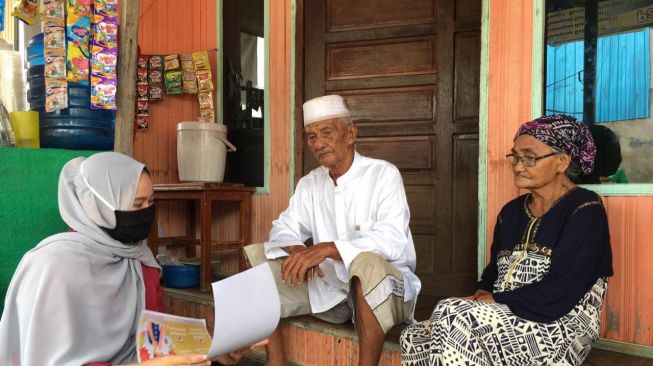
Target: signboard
[{"x": 614, "y": 16}]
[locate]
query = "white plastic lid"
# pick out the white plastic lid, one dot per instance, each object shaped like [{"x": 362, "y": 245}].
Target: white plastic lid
[{"x": 217, "y": 127}]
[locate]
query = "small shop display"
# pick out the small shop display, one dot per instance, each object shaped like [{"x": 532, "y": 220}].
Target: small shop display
[{"x": 175, "y": 74}]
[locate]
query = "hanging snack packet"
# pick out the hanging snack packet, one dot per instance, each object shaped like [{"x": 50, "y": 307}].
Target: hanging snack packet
[
  {"x": 53, "y": 13},
  {"x": 201, "y": 60},
  {"x": 55, "y": 67},
  {"x": 142, "y": 121},
  {"x": 142, "y": 106},
  {"x": 141, "y": 75},
  {"x": 155, "y": 76},
  {"x": 173, "y": 82},
  {"x": 26, "y": 11},
  {"x": 207, "y": 114},
  {"x": 206, "y": 100},
  {"x": 142, "y": 90},
  {"x": 189, "y": 82},
  {"x": 171, "y": 62},
  {"x": 103, "y": 93},
  {"x": 156, "y": 91},
  {"x": 105, "y": 32},
  {"x": 56, "y": 94},
  {"x": 108, "y": 8},
  {"x": 78, "y": 38},
  {"x": 204, "y": 82},
  {"x": 143, "y": 61},
  {"x": 54, "y": 41},
  {"x": 104, "y": 61},
  {"x": 156, "y": 62},
  {"x": 187, "y": 65}
]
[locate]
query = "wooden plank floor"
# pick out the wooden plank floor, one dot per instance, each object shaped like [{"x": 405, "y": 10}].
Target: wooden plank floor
[
  {"x": 200, "y": 305},
  {"x": 597, "y": 358}
]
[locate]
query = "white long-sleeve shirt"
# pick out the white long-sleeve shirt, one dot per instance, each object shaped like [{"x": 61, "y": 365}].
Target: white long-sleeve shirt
[{"x": 366, "y": 211}]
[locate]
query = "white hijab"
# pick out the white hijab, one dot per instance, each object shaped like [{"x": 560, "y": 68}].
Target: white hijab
[{"x": 76, "y": 297}]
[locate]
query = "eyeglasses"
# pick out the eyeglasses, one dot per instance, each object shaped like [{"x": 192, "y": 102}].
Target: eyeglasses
[{"x": 528, "y": 161}]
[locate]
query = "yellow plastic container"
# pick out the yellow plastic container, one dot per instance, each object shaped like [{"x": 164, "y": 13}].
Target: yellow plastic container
[{"x": 26, "y": 128}]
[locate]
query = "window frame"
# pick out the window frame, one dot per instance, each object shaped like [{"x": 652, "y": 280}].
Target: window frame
[{"x": 537, "y": 103}]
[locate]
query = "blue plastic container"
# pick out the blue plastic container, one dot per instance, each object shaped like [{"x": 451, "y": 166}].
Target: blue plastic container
[
  {"x": 181, "y": 276},
  {"x": 35, "y": 51},
  {"x": 77, "y": 127}
]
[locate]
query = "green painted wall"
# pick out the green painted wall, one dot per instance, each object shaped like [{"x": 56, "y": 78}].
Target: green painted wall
[{"x": 28, "y": 203}]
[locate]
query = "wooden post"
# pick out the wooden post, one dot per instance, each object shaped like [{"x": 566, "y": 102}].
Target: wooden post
[{"x": 126, "y": 97}]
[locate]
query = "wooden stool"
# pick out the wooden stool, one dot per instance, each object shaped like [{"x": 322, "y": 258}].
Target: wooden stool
[{"x": 205, "y": 194}]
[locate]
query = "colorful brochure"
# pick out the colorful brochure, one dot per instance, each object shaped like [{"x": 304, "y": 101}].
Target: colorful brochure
[{"x": 247, "y": 310}]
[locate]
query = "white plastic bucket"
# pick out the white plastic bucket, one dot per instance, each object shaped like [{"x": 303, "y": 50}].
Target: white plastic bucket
[{"x": 202, "y": 151}]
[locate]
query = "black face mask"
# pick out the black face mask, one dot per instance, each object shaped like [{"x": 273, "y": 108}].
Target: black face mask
[{"x": 132, "y": 226}]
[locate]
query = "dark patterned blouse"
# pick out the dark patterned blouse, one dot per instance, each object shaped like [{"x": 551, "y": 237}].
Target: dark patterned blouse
[{"x": 542, "y": 266}]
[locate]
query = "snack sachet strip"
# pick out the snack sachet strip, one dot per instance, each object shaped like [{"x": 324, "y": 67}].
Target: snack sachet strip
[
  {"x": 78, "y": 40},
  {"x": 104, "y": 54},
  {"x": 54, "y": 51}
]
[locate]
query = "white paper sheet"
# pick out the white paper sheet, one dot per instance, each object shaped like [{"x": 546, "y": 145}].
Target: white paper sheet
[{"x": 247, "y": 309}]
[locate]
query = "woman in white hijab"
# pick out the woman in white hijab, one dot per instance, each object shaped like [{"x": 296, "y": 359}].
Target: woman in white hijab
[{"x": 76, "y": 297}]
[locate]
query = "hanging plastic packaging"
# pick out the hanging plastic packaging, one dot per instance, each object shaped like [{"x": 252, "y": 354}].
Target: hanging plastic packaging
[
  {"x": 26, "y": 11},
  {"x": 104, "y": 54},
  {"x": 54, "y": 49},
  {"x": 78, "y": 38}
]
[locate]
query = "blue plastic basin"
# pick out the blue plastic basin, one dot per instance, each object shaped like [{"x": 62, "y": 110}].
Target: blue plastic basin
[{"x": 181, "y": 276}]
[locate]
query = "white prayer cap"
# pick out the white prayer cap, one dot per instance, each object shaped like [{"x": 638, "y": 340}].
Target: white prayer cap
[{"x": 324, "y": 108}]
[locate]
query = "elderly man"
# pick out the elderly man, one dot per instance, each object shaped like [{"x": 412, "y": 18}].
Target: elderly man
[{"x": 361, "y": 265}]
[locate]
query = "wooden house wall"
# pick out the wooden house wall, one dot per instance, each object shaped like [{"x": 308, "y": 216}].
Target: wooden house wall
[{"x": 172, "y": 26}]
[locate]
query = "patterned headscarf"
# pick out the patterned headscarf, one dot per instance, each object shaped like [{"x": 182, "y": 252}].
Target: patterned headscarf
[{"x": 566, "y": 134}]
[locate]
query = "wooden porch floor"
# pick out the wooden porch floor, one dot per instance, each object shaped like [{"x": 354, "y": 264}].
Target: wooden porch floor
[
  {"x": 321, "y": 343},
  {"x": 597, "y": 358}
]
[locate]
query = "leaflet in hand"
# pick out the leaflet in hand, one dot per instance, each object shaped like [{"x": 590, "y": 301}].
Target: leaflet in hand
[{"x": 247, "y": 310}]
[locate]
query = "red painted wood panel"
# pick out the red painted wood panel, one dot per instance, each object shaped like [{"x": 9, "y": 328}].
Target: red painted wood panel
[
  {"x": 629, "y": 310},
  {"x": 509, "y": 90}
]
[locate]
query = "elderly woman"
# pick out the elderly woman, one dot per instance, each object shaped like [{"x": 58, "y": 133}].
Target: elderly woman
[
  {"x": 75, "y": 298},
  {"x": 539, "y": 299}
]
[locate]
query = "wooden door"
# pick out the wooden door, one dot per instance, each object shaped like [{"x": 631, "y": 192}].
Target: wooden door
[{"x": 409, "y": 71}]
